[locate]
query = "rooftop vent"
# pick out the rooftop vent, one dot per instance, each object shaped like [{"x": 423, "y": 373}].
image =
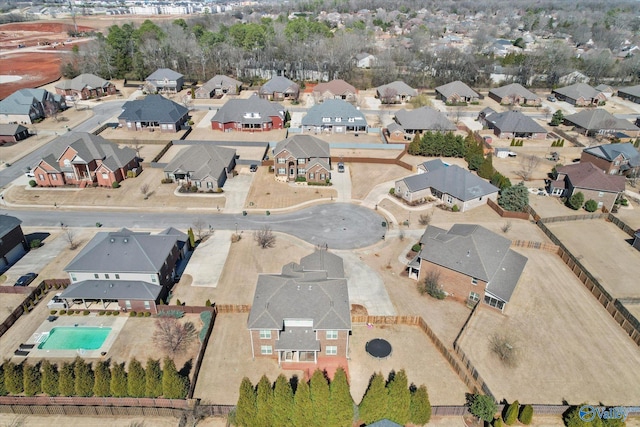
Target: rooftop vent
[
  {"x": 468, "y": 253},
  {"x": 125, "y": 240},
  {"x": 112, "y": 240}
]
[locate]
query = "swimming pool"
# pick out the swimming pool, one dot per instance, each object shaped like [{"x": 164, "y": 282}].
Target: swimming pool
[{"x": 74, "y": 338}]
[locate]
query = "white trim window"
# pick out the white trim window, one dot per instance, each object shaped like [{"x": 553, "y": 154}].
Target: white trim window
[
  {"x": 331, "y": 350},
  {"x": 332, "y": 335},
  {"x": 265, "y": 334},
  {"x": 266, "y": 349},
  {"x": 474, "y": 296}
]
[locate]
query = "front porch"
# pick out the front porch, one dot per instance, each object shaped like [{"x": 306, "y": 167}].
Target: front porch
[{"x": 325, "y": 363}]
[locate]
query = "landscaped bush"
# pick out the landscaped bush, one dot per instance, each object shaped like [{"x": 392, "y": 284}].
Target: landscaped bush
[
  {"x": 141, "y": 314},
  {"x": 166, "y": 181},
  {"x": 178, "y": 314},
  {"x": 115, "y": 313},
  {"x": 576, "y": 201},
  {"x": 526, "y": 414},
  {"x": 101, "y": 313},
  {"x": 207, "y": 303},
  {"x": 591, "y": 205},
  {"x": 416, "y": 247},
  {"x": 133, "y": 314},
  {"x": 32, "y": 183},
  {"x": 63, "y": 312},
  {"x": 35, "y": 243},
  {"x": 147, "y": 314},
  {"x": 85, "y": 312},
  {"x": 70, "y": 312},
  {"x": 115, "y": 184},
  {"x": 511, "y": 415},
  {"x": 52, "y": 312},
  {"x": 455, "y": 208}
]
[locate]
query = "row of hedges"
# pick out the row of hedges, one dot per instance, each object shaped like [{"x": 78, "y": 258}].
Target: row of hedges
[{"x": 79, "y": 378}]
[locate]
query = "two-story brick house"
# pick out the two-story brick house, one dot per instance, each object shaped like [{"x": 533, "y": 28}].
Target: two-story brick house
[
  {"x": 86, "y": 86},
  {"x": 613, "y": 159},
  {"x": 86, "y": 159},
  {"x": 135, "y": 270},
  {"x": 164, "y": 80},
  {"x": 473, "y": 263},
  {"x": 302, "y": 156},
  {"x": 302, "y": 315},
  {"x": 591, "y": 181}
]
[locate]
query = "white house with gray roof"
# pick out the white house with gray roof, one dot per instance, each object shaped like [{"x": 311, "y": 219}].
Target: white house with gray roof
[
  {"x": 203, "y": 165},
  {"x": 423, "y": 119},
  {"x": 302, "y": 156},
  {"x": 473, "y": 263},
  {"x": 456, "y": 92},
  {"x": 397, "y": 92},
  {"x": 334, "y": 116},
  {"x": 133, "y": 270},
  {"x": 302, "y": 314},
  {"x": 451, "y": 184},
  {"x": 154, "y": 112}
]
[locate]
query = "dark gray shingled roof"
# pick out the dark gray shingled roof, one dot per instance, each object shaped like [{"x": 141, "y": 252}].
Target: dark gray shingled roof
[
  {"x": 164, "y": 73},
  {"x": 219, "y": 82},
  {"x": 94, "y": 147},
  {"x": 20, "y": 101},
  {"x": 514, "y": 89},
  {"x": 598, "y": 118},
  {"x": 153, "y": 108},
  {"x": 300, "y": 294},
  {"x": 457, "y": 87},
  {"x": 123, "y": 251},
  {"x": 112, "y": 289},
  {"x": 611, "y": 151},
  {"x": 83, "y": 80},
  {"x": 11, "y": 129},
  {"x": 324, "y": 261},
  {"x": 577, "y": 90},
  {"x": 515, "y": 121},
  {"x": 279, "y": 84},
  {"x": 476, "y": 252},
  {"x": 234, "y": 110},
  {"x": 303, "y": 147},
  {"x": 298, "y": 339},
  {"x": 201, "y": 161},
  {"x": 400, "y": 88},
  {"x": 8, "y": 223},
  {"x": 630, "y": 90},
  {"x": 431, "y": 165},
  {"x": 332, "y": 109},
  {"x": 453, "y": 180},
  {"x": 424, "y": 118}
]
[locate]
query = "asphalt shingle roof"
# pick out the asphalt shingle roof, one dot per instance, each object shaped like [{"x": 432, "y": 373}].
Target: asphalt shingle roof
[
  {"x": 219, "y": 82},
  {"x": 457, "y": 87},
  {"x": 334, "y": 109},
  {"x": 631, "y": 90},
  {"x": 589, "y": 176},
  {"x": 153, "y": 108},
  {"x": 398, "y": 87},
  {"x": 303, "y": 147},
  {"x": 202, "y": 160},
  {"x": 476, "y": 252},
  {"x": 8, "y": 223},
  {"x": 514, "y": 89},
  {"x": 112, "y": 290},
  {"x": 279, "y": 84},
  {"x": 514, "y": 121},
  {"x": 20, "y": 101},
  {"x": 94, "y": 147},
  {"x": 336, "y": 87},
  {"x": 578, "y": 90},
  {"x": 11, "y": 129},
  {"x": 611, "y": 151},
  {"x": 598, "y": 118},
  {"x": 423, "y": 119},
  {"x": 164, "y": 73},
  {"x": 453, "y": 180},
  {"x": 123, "y": 251},
  {"x": 235, "y": 111},
  {"x": 83, "y": 80}
]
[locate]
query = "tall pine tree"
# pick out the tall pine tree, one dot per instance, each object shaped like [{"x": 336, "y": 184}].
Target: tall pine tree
[
  {"x": 49, "y": 378},
  {"x": 340, "y": 401},
  {"x": 153, "y": 378},
  {"x": 302, "y": 406},
  {"x": 399, "y": 398},
  {"x": 486, "y": 169},
  {"x": 32, "y": 380},
  {"x": 420, "y": 406},
  {"x": 264, "y": 398},
  {"x": 119, "y": 381},
  {"x": 282, "y": 407},
  {"x": 136, "y": 383},
  {"x": 246, "y": 406},
  {"x": 375, "y": 401},
  {"x": 319, "y": 389},
  {"x": 174, "y": 385},
  {"x": 84, "y": 377},
  {"x": 3, "y": 389},
  {"x": 102, "y": 379},
  {"x": 13, "y": 380},
  {"x": 67, "y": 381}
]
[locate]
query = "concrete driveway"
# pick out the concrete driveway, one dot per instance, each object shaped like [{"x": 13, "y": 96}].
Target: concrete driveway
[
  {"x": 207, "y": 261},
  {"x": 35, "y": 259},
  {"x": 236, "y": 190},
  {"x": 366, "y": 286},
  {"x": 342, "y": 183}
]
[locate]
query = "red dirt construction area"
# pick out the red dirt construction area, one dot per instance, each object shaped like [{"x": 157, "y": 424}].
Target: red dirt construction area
[{"x": 33, "y": 51}]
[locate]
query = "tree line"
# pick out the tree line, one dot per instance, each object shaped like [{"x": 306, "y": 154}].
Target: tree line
[
  {"x": 79, "y": 378},
  {"x": 320, "y": 402}
]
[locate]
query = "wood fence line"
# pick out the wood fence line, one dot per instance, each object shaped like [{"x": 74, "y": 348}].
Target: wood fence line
[
  {"x": 507, "y": 214},
  {"x": 201, "y": 351},
  {"x": 621, "y": 224},
  {"x": 536, "y": 245},
  {"x": 186, "y": 308},
  {"x": 233, "y": 308},
  {"x": 376, "y": 160},
  {"x": 574, "y": 217}
]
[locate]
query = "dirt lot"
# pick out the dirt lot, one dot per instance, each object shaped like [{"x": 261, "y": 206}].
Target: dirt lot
[
  {"x": 365, "y": 176},
  {"x": 612, "y": 260},
  {"x": 630, "y": 215},
  {"x": 245, "y": 261},
  {"x": 267, "y": 193},
  {"x": 85, "y": 421},
  {"x": 570, "y": 347}
]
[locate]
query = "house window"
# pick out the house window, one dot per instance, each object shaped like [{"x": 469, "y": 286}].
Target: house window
[
  {"x": 331, "y": 350},
  {"x": 448, "y": 199},
  {"x": 326, "y": 120},
  {"x": 282, "y": 160},
  {"x": 282, "y": 171},
  {"x": 105, "y": 176},
  {"x": 266, "y": 349},
  {"x": 322, "y": 177},
  {"x": 106, "y": 276},
  {"x": 54, "y": 177},
  {"x": 96, "y": 276},
  {"x": 127, "y": 304},
  {"x": 616, "y": 163},
  {"x": 147, "y": 305},
  {"x": 302, "y": 161},
  {"x": 67, "y": 163},
  {"x": 311, "y": 176},
  {"x": 209, "y": 184},
  {"x": 40, "y": 177},
  {"x": 302, "y": 171},
  {"x": 474, "y": 281},
  {"x": 153, "y": 278},
  {"x": 265, "y": 334},
  {"x": 474, "y": 296},
  {"x": 493, "y": 302},
  {"x": 351, "y": 120},
  {"x": 601, "y": 194},
  {"x": 338, "y": 119},
  {"x": 73, "y": 277},
  {"x": 332, "y": 335}
]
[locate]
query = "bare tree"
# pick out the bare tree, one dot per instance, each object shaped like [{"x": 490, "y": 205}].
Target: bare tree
[
  {"x": 144, "y": 189},
  {"x": 389, "y": 96},
  {"x": 505, "y": 345},
  {"x": 425, "y": 219},
  {"x": 173, "y": 336},
  {"x": 70, "y": 237},
  {"x": 528, "y": 164},
  {"x": 200, "y": 228},
  {"x": 135, "y": 144},
  {"x": 265, "y": 237},
  {"x": 506, "y": 227}
]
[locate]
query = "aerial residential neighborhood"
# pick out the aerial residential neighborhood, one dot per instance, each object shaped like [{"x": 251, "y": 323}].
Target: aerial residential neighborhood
[{"x": 322, "y": 213}]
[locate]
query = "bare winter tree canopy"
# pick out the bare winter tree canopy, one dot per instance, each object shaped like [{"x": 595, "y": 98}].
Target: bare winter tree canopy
[
  {"x": 528, "y": 164},
  {"x": 265, "y": 237},
  {"x": 173, "y": 336}
]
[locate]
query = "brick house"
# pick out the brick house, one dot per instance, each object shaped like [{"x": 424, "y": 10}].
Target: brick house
[
  {"x": 514, "y": 124},
  {"x": 598, "y": 121},
  {"x": 334, "y": 116},
  {"x": 13, "y": 244},
  {"x": 514, "y": 94},
  {"x": 474, "y": 264},
  {"x": 631, "y": 93},
  {"x": 302, "y": 315},
  {"x": 153, "y": 112},
  {"x": 26, "y": 106},
  {"x": 421, "y": 120},
  {"x": 249, "y": 115},
  {"x": 397, "y": 92},
  {"x": 591, "y": 181},
  {"x": 613, "y": 159},
  {"x": 133, "y": 270},
  {"x": 279, "y": 88},
  {"x": 302, "y": 156},
  {"x": 164, "y": 80},
  {"x": 335, "y": 89},
  {"x": 13, "y": 133},
  {"x": 86, "y": 159},
  {"x": 217, "y": 86},
  {"x": 86, "y": 86},
  {"x": 579, "y": 94},
  {"x": 455, "y": 92},
  {"x": 203, "y": 165}
]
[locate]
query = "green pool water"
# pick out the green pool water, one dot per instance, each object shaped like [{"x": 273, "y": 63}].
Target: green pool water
[{"x": 74, "y": 338}]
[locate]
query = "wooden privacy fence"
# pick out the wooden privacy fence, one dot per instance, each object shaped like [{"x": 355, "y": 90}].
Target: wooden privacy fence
[
  {"x": 507, "y": 214},
  {"x": 186, "y": 308},
  {"x": 201, "y": 351},
  {"x": 233, "y": 308},
  {"x": 548, "y": 247},
  {"x": 574, "y": 217}
]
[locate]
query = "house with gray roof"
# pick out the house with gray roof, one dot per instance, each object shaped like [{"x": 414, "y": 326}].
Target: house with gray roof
[
  {"x": 334, "y": 116},
  {"x": 579, "y": 94},
  {"x": 250, "y": 115},
  {"x": 279, "y": 88},
  {"x": 598, "y": 121},
  {"x": 164, "y": 80},
  {"x": 423, "y": 119},
  {"x": 13, "y": 133},
  {"x": 13, "y": 244},
  {"x": 473, "y": 264},
  {"x": 365, "y": 60},
  {"x": 591, "y": 181},
  {"x": 451, "y": 184},
  {"x": 335, "y": 89},
  {"x": 153, "y": 112},
  {"x": 131, "y": 270},
  {"x": 514, "y": 94},
  {"x": 636, "y": 240},
  {"x": 397, "y": 92},
  {"x": 87, "y": 159},
  {"x": 217, "y": 86},
  {"x": 456, "y": 92},
  {"x": 302, "y": 157},
  {"x": 514, "y": 124},
  {"x": 203, "y": 165},
  {"x": 630, "y": 93},
  {"x": 85, "y": 86},
  {"x": 614, "y": 159},
  {"x": 25, "y": 106},
  {"x": 302, "y": 315}
]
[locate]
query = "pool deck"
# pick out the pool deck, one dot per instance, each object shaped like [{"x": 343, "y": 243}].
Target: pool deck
[{"x": 116, "y": 323}]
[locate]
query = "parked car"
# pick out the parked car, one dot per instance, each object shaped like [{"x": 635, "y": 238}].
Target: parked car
[
  {"x": 26, "y": 279},
  {"x": 341, "y": 167},
  {"x": 57, "y": 303},
  {"x": 551, "y": 98},
  {"x": 29, "y": 173},
  {"x": 253, "y": 167}
]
